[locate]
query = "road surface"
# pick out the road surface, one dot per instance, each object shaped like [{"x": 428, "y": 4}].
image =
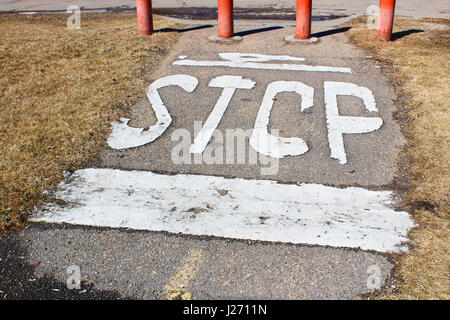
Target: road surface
[{"x": 405, "y": 8}]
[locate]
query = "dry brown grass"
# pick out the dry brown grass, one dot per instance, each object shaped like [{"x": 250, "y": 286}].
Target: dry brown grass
[
  {"x": 420, "y": 69},
  {"x": 59, "y": 90}
]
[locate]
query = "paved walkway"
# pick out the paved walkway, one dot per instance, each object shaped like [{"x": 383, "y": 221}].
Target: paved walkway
[
  {"x": 303, "y": 213},
  {"x": 405, "y": 8}
]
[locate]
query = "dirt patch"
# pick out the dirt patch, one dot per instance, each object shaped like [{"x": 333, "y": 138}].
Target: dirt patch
[
  {"x": 415, "y": 62},
  {"x": 266, "y": 13},
  {"x": 59, "y": 90}
]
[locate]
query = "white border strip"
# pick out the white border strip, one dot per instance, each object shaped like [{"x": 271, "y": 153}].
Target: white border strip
[
  {"x": 232, "y": 208},
  {"x": 260, "y": 66}
]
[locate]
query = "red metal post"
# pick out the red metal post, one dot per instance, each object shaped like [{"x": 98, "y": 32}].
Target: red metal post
[
  {"x": 386, "y": 21},
  {"x": 144, "y": 16},
  {"x": 225, "y": 10},
  {"x": 304, "y": 9}
]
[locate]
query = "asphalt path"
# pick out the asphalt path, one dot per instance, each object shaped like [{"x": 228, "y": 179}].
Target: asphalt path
[{"x": 119, "y": 263}]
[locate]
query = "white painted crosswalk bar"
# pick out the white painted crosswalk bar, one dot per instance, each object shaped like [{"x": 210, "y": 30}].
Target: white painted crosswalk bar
[{"x": 232, "y": 208}]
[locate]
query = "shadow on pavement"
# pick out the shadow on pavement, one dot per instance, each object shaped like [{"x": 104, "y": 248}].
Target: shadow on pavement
[
  {"x": 330, "y": 32},
  {"x": 185, "y": 29},
  {"x": 253, "y": 31},
  {"x": 18, "y": 280}
]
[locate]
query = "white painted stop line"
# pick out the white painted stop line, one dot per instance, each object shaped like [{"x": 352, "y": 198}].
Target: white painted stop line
[{"x": 232, "y": 208}]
